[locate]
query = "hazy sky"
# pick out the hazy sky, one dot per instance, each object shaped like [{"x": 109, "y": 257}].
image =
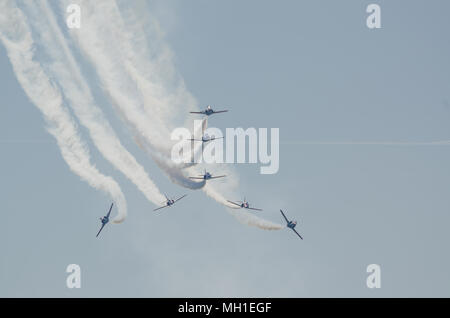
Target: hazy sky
[{"x": 312, "y": 69}]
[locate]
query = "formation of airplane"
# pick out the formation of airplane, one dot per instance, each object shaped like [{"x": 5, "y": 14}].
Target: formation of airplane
[
  {"x": 169, "y": 202},
  {"x": 105, "y": 219},
  {"x": 291, "y": 224},
  {"x": 244, "y": 204},
  {"x": 209, "y": 111},
  {"x": 207, "y": 176}
]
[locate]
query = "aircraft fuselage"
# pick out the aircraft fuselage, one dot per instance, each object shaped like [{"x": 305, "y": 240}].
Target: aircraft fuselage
[
  {"x": 207, "y": 138},
  {"x": 292, "y": 224}
]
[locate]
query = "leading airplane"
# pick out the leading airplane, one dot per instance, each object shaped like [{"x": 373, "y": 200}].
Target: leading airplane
[
  {"x": 105, "y": 219},
  {"x": 169, "y": 202},
  {"x": 207, "y": 176},
  {"x": 244, "y": 204},
  {"x": 291, "y": 224},
  {"x": 209, "y": 111}
]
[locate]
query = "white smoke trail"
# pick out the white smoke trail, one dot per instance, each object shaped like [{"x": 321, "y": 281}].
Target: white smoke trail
[
  {"x": 216, "y": 191},
  {"x": 111, "y": 63},
  {"x": 63, "y": 67},
  {"x": 252, "y": 220},
  {"x": 104, "y": 44},
  {"x": 173, "y": 170},
  {"x": 16, "y": 37},
  {"x": 371, "y": 143},
  {"x": 141, "y": 81},
  {"x": 217, "y": 195}
]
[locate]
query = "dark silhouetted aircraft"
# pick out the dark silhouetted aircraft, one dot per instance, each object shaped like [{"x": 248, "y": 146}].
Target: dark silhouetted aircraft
[
  {"x": 291, "y": 224},
  {"x": 206, "y": 138},
  {"x": 207, "y": 176},
  {"x": 209, "y": 111},
  {"x": 244, "y": 204},
  {"x": 169, "y": 202},
  {"x": 105, "y": 219}
]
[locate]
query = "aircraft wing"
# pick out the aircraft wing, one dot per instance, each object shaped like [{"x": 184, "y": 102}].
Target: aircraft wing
[
  {"x": 255, "y": 209},
  {"x": 180, "y": 198},
  {"x": 109, "y": 212},
  {"x": 220, "y": 111},
  {"x": 284, "y": 216},
  {"x": 216, "y": 177},
  {"x": 162, "y": 207},
  {"x": 234, "y": 203},
  {"x": 297, "y": 234},
  {"x": 103, "y": 225},
  {"x": 196, "y": 178},
  {"x": 197, "y": 112}
]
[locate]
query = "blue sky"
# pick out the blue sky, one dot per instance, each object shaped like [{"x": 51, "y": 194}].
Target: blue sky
[{"x": 312, "y": 69}]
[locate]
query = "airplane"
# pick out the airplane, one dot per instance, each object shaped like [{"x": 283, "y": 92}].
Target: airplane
[
  {"x": 105, "y": 219},
  {"x": 244, "y": 204},
  {"x": 291, "y": 224},
  {"x": 207, "y": 176},
  {"x": 206, "y": 138},
  {"x": 209, "y": 111},
  {"x": 169, "y": 202}
]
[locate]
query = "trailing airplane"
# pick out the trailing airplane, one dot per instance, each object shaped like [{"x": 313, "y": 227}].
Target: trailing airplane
[
  {"x": 207, "y": 176},
  {"x": 244, "y": 204},
  {"x": 105, "y": 219},
  {"x": 206, "y": 138},
  {"x": 169, "y": 202},
  {"x": 291, "y": 224},
  {"x": 209, "y": 111}
]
